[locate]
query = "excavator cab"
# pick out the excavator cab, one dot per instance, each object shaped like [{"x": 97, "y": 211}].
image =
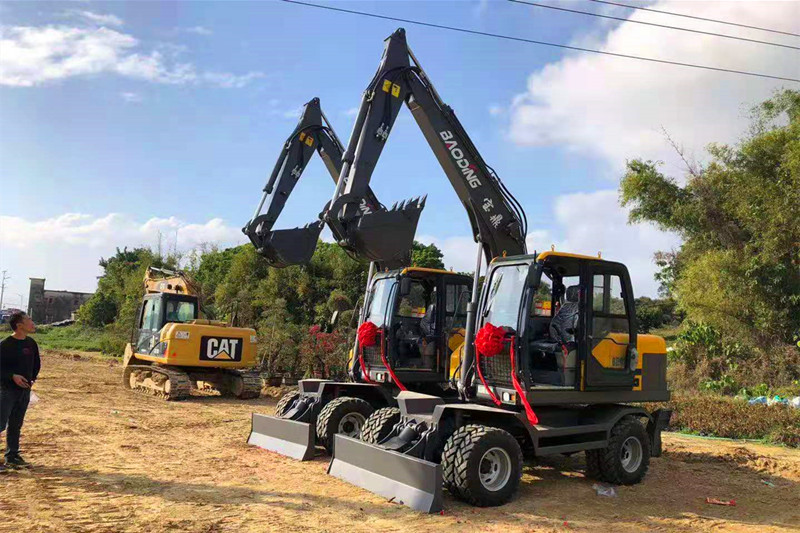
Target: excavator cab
[
  {"x": 420, "y": 314},
  {"x": 413, "y": 319},
  {"x": 157, "y": 310},
  {"x": 572, "y": 321}
]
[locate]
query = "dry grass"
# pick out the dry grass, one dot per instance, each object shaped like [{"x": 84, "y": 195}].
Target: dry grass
[{"x": 108, "y": 460}]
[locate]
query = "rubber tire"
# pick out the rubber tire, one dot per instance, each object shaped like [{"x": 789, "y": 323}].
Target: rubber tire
[
  {"x": 461, "y": 458},
  {"x": 285, "y": 402},
  {"x": 333, "y": 412},
  {"x": 610, "y": 457},
  {"x": 379, "y": 424},
  {"x": 593, "y": 465}
]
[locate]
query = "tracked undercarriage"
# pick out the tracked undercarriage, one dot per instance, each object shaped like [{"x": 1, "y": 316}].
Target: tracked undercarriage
[{"x": 173, "y": 383}]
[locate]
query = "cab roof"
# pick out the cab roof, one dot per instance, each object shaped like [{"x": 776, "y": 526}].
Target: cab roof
[
  {"x": 552, "y": 253},
  {"x": 419, "y": 272}
]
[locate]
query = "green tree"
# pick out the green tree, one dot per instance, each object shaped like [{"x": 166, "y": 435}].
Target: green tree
[
  {"x": 426, "y": 256},
  {"x": 738, "y": 268}
]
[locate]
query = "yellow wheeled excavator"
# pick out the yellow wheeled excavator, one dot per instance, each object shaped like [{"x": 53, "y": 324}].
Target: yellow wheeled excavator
[
  {"x": 172, "y": 349},
  {"x": 551, "y": 361}
]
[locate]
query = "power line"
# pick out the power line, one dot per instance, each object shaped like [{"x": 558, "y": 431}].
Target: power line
[
  {"x": 542, "y": 43},
  {"x": 666, "y": 26},
  {"x": 673, "y": 13}
]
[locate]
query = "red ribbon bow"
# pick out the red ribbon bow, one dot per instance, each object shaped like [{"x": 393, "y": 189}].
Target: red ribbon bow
[
  {"x": 490, "y": 340},
  {"x": 367, "y": 334}
]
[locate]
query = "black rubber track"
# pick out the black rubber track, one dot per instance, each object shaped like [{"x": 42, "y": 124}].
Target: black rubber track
[
  {"x": 379, "y": 424},
  {"x": 285, "y": 402},
  {"x": 328, "y": 419},
  {"x": 610, "y": 457},
  {"x": 461, "y": 458}
]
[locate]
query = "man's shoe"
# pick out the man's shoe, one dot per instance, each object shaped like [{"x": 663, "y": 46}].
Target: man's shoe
[
  {"x": 16, "y": 461},
  {"x": 3, "y": 469}
]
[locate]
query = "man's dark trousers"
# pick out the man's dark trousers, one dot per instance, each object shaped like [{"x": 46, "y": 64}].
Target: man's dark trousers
[{"x": 13, "y": 405}]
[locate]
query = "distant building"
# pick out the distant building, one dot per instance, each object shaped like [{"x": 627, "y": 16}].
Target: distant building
[
  {"x": 6, "y": 313},
  {"x": 46, "y": 306}
]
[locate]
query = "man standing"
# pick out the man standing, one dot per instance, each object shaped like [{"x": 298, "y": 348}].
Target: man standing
[{"x": 19, "y": 368}]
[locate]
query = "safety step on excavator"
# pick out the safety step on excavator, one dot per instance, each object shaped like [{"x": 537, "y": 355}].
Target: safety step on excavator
[
  {"x": 173, "y": 350},
  {"x": 551, "y": 361}
]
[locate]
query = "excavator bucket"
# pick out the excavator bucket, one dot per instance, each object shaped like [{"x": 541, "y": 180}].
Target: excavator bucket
[
  {"x": 387, "y": 236},
  {"x": 401, "y": 478},
  {"x": 286, "y": 437},
  {"x": 287, "y": 247}
]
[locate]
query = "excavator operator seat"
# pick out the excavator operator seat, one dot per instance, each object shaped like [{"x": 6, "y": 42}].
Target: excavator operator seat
[{"x": 560, "y": 345}]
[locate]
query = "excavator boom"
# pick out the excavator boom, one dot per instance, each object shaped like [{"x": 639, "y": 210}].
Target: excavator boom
[
  {"x": 286, "y": 247},
  {"x": 497, "y": 219}
]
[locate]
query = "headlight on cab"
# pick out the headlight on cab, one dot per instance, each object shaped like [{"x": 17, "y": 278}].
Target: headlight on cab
[
  {"x": 184, "y": 335},
  {"x": 253, "y": 339}
]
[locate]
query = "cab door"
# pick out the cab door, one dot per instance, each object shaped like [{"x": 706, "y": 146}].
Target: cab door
[
  {"x": 610, "y": 327},
  {"x": 149, "y": 324},
  {"x": 457, "y": 293}
]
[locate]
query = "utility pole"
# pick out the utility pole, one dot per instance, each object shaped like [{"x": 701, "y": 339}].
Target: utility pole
[{"x": 3, "y": 287}]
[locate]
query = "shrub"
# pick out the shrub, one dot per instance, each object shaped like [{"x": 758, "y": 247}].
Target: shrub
[{"x": 727, "y": 417}]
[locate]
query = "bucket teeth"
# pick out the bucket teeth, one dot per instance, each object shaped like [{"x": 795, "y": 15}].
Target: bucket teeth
[{"x": 387, "y": 236}]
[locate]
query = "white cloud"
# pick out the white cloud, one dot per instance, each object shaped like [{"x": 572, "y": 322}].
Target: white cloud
[
  {"x": 131, "y": 97},
  {"x": 585, "y": 223},
  {"x": 37, "y": 55},
  {"x": 496, "y": 110},
  {"x": 197, "y": 30},
  {"x": 96, "y": 18},
  {"x": 353, "y": 111},
  {"x": 615, "y": 108},
  {"x": 66, "y": 249}
]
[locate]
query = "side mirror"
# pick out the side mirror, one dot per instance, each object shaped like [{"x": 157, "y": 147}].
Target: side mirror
[{"x": 405, "y": 286}]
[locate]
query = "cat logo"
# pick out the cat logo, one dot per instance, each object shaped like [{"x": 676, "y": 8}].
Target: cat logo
[{"x": 220, "y": 349}]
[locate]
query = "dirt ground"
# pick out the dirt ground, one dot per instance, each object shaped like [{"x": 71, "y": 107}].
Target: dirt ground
[{"x": 107, "y": 459}]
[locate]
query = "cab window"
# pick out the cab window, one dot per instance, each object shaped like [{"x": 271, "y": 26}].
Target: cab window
[
  {"x": 611, "y": 324},
  {"x": 457, "y": 298},
  {"x": 413, "y": 304},
  {"x": 504, "y": 296},
  {"x": 178, "y": 311},
  {"x": 150, "y": 318}
]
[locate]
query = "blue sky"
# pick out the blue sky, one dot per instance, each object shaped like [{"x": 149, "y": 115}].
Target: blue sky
[{"x": 132, "y": 116}]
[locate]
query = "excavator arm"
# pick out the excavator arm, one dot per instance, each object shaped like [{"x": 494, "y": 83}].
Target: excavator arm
[
  {"x": 296, "y": 246},
  {"x": 498, "y": 222},
  {"x": 497, "y": 219}
]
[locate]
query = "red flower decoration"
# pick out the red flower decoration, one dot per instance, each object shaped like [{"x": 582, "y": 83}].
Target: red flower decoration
[
  {"x": 367, "y": 334},
  {"x": 489, "y": 340}
]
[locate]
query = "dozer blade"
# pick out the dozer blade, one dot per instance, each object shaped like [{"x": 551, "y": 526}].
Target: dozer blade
[
  {"x": 287, "y": 437},
  {"x": 387, "y": 236},
  {"x": 285, "y": 247},
  {"x": 401, "y": 478}
]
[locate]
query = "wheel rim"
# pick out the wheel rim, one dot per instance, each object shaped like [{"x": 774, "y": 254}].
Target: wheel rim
[
  {"x": 351, "y": 424},
  {"x": 494, "y": 470},
  {"x": 631, "y": 454}
]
